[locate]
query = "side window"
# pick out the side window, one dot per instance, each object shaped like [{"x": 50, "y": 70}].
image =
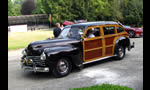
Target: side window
[
  {"x": 92, "y": 32},
  {"x": 109, "y": 30},
  {"x": 119, "y": 29}
]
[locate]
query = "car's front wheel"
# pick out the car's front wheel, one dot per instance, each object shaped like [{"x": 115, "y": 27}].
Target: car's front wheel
[{"x": 62, "y": 67}]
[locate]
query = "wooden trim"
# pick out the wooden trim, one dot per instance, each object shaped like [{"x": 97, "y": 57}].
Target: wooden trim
[
  {"x": 115, "y": 29},
  {"x": 93, "y": 38},
  {"x": 103, "y": 41},
  {"x": 98, "y": 59},
  {"x": 93, "y": 49},
  {"x": 109, "y": 46},
  {"x": 85, "y": 31},
  {"x": 123, "y": 33},
  {"x": 83, "y": 50},
  {"x": 111, "y": 35},
  {"x": 114, "y": 43},
  {"x": 90, "y": 60}
]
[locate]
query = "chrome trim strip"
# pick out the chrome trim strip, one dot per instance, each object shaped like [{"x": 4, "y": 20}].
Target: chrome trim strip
[
  {"x": 33, "y": 56},
  {"x": 99, "y": 59}
]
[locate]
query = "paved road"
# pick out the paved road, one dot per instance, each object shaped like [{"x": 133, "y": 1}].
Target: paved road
[{"x": 128, "y": 72}]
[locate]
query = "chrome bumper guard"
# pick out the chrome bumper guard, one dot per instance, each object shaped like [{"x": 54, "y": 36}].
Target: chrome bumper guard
[
  {"x": 30, "y": 63},
  {"x": 35, "y": 69},
  {"x": 131, "y": 46}
]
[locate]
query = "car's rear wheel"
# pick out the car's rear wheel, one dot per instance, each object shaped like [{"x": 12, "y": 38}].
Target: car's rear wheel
[
  {"x": 131, "y": 34},
  {"x": 120, "y": 53},
  {"x": 62, "y": 67}
]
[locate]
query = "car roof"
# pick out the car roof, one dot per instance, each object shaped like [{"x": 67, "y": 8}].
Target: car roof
[{"x": 95, "y": 23}]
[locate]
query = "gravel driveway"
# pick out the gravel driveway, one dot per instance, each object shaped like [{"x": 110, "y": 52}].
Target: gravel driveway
[{"x": 128, "y": 72}]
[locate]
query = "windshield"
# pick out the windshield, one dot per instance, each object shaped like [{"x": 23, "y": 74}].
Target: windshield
[
  {"x": 64, "y": 33},
  {"x": 72, "y": 32}
]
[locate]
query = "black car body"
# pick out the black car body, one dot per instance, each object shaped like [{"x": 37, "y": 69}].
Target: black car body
[{"x": 58, "y": 55}]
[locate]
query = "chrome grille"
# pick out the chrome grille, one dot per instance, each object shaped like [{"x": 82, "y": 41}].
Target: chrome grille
[{"x": 36, "y": 60}]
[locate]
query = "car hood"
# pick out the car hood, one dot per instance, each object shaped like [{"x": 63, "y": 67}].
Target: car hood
[{"x": 37, "y": 47}]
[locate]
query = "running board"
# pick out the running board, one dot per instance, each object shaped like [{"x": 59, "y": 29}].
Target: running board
[{"x": 99, "y": 59}]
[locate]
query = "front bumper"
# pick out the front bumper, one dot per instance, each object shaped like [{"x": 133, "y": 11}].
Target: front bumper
[
  {"x": 34, "y": 68},
  {"x": 32, "y": 63}
]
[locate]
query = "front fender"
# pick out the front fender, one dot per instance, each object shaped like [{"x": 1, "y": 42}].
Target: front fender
[
  {"x": 58, "y": 49},
  {"x": 74, "y": 54}
]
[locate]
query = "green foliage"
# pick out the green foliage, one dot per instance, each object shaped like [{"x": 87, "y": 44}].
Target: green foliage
[
  {"x": 134, "y": 12},
  {"x": 104, "y": 87},
  {"x": 38, "y": 7},
  {"x": 129, "y": 12},
  {"x": 10, "y": 8},
  {"x": 14, "y": 8},
  {"x": 115, "y": 10}
]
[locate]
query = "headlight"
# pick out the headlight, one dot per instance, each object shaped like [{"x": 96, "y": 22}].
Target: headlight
[
  {"x": 43, "y": 56},
  {"x": 24, "y": 52}
]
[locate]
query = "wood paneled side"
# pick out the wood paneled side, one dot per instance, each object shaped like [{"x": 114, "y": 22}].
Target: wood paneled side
[
  {"x": 93, "y": 54},
  {"x": 93, "y": 44},
  {"x": 109, "y": 41},
  {"x": 108, "y": 50}
]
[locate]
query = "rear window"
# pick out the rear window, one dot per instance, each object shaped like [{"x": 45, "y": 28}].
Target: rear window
[{"x": 109, "y": 30}]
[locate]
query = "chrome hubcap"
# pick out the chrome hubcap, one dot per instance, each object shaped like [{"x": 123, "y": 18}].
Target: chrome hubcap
[
  {"x": 121, "y": 52},
  {"x": 63, "y": 66}
]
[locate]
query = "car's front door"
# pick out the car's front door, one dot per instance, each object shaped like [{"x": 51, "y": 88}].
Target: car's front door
[{"x": 92, "y": 44}]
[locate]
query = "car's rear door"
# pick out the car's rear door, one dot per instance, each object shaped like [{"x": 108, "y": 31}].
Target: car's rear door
[{"x": 109, "y": 33}]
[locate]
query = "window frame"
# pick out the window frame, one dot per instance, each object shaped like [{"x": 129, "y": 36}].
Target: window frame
[
  {"x": 85, "y": 32},
  {"x": 121, "y": 28}
]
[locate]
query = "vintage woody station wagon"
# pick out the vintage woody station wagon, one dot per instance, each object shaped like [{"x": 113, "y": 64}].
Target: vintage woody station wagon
[{"x": 78, "y": 44}]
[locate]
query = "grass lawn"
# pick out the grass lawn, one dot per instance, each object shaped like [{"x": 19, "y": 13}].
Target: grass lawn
[
  {"x": 17, "y": 40},
  {"x": 104, "y": 87}
]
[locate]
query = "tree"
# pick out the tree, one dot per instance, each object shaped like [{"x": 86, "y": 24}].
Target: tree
[
  {"x": 126, "y": 11},
  {"x": 10, "y": 8},
  {"x": 14, "y": 8},
  {"x": 133, "y": 14},
  {"x": 38, "y": 7},
  {"x": 27, "y": 7},
  {"x": 17, "y": 9}
]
